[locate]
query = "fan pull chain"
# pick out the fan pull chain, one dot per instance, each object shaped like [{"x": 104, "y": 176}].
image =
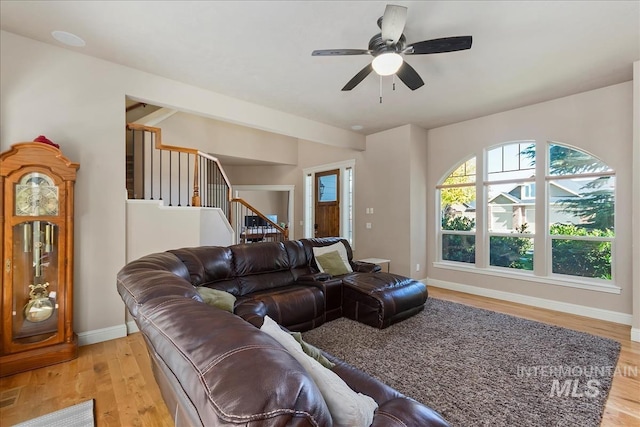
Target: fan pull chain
[
  {"x": 394, "y": 82},
  {"x": 380, "y": 89}
]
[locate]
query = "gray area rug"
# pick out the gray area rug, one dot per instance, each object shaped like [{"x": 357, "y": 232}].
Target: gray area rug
[
  {"x": 80, "y": 415},
  {"x": 481, "y": 368}
]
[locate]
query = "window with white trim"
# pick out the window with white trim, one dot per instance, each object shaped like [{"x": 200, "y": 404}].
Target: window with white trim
[
  {"x": 581, "y": 200},
  {"x": 576, "y": 207},
  {"x": 458, "y": 214},
  {"x": 510, "y": 177}
]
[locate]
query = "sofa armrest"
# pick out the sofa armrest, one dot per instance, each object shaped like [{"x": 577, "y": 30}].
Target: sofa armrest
[
  {"x": 403, "y": 412},
  {"x": 365, "y": 267},
  {"x": 251, "y": 310}
]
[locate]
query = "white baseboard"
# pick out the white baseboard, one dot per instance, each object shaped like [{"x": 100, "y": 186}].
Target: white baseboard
[
  {"x": 635, "y": 334},
  {"x": 132, "y": 327},
  {"x": 104, "y": 334},
  {"x": 565, "y": 307}
]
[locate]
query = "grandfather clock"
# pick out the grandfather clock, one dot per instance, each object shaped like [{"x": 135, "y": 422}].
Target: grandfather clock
[{"x": 36, "y": 181}]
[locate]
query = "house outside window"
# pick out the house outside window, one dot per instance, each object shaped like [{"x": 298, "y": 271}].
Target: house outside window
[
  {"x": 511, "y": 175},
  {"x": 577, "y": 202}
]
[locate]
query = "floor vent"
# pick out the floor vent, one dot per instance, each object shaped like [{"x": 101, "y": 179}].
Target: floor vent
[{"x": 8, "y": 398}]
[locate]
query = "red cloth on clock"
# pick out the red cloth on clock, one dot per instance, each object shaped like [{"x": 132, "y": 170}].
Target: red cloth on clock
[{"x": 45, "y": 140}]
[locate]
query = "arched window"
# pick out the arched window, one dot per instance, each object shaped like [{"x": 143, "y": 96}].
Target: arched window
[
  {"x": 511, "y": 221},
  {"x": 458, "y": 213}
]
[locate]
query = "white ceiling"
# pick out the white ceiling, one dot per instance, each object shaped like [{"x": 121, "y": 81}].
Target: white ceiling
[{"x": 523, "y": 52}]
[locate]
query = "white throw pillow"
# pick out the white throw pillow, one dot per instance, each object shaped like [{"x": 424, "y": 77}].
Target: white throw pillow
[
  {"x": 347, "y": 408},
  {"x": 342, "y": 251}
]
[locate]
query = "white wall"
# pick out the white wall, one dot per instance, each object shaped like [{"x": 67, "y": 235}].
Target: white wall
[
  {"x": 220, "y": 138},
  {"x": 418, "y": 202},
  {"x": 159, "y": 228},
  {"x": 79, "y": 102},
  {"x": 599, "y": 122},
  {"x": 385, "y": 183}
]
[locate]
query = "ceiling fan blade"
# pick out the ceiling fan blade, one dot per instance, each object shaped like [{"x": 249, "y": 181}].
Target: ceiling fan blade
[
  {"x": 338, "y": 52},
  {"x": 447, "y": 44},
  {"x": 393, "y": 21},
  {"x": 409, "y": 76},
  {"x": 358, "y": 77}
]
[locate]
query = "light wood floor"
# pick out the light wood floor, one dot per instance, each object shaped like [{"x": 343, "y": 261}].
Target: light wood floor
[{"x": 117, "y": 374}]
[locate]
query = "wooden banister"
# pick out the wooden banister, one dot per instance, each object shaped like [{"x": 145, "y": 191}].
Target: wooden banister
[
  {"x": 254, "y": 211},
  {"x": 195, "y": 198}
]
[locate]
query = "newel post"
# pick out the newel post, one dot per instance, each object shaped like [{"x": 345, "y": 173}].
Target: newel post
[{"x": 195, "y": 199}]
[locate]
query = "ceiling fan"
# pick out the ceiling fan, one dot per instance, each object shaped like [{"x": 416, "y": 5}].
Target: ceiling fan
[{"x": 389, "y": 46}]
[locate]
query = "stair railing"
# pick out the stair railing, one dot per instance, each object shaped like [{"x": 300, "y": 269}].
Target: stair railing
[
  {"x": 252, "y": 226},
  {"x": 177, "y": 175}
]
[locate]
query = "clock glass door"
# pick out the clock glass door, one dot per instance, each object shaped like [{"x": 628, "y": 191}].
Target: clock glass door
[{"x": 35, "y": 281}]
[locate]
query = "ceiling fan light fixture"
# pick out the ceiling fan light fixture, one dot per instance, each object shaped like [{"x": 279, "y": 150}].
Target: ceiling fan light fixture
[{"x": 387, "y": 63}]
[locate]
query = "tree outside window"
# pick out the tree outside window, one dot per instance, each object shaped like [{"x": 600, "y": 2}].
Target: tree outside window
[{"x": 458, "y": 214}]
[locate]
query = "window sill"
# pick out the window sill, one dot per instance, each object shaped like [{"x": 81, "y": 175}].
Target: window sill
[{"x": 591, "y": 285}]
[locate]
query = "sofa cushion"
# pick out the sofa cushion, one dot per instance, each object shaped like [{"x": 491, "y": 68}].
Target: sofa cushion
[
  {"x": 347, "y": 408},
  {"x": 299, "y": 261},
  {"x": 261, "y": 266},
  {"x": 297, "y": 307},
  {"x": 217, "y": 298},
  {"x": 210, "y": 265}
]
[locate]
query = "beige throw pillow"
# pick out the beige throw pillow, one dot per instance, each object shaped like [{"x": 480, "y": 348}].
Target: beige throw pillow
[
  {"x": 339, "y": 247},
  {"x": 332, "y": 263},
  {"x": 347, "y": 408},
  {"x": 221, "y": 299}
]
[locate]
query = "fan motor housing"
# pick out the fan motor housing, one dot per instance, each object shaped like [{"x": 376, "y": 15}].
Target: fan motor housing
[{"x": 377, "y": 45}]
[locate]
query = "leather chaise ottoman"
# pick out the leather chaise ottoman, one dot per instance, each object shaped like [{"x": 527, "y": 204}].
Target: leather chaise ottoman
[{"x": 381, "y": 299}]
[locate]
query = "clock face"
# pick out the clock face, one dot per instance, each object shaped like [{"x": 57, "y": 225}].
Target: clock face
[{"x": 36, "y": 196}]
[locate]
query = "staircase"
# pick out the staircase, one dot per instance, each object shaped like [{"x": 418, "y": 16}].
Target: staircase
[{"x": 186, "y": 177}]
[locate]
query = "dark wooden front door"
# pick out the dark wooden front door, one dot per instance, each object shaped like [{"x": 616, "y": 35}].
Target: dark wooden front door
[{"x": 327, "y": 204}]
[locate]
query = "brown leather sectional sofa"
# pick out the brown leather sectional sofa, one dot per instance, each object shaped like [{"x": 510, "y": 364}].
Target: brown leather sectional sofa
[{"x": 215, "y": 368}]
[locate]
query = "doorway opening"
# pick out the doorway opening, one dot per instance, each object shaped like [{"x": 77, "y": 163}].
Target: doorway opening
[
  {"x": 329, "y": 200},
  {"x": 275, "y": 201}
]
